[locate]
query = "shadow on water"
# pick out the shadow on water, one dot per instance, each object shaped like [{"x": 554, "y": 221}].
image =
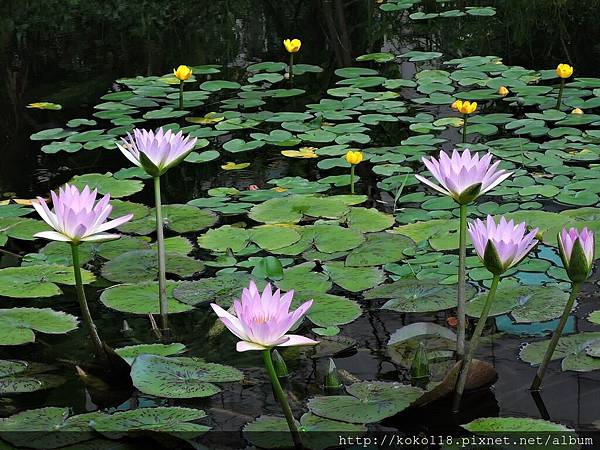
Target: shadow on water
[{"x": 71, "y": 52}]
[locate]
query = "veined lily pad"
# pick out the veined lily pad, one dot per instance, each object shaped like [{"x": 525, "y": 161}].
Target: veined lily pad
[
  {"x": 107, "y": 184},
  {"x": 379, "y": 248},
  {"x": 130, "y": 352},
  {"x": 180, "y": 377},
  {"x": 38, "y": 281},
  {"x": 367, "y": 402},
  {"x": 222, "y": 289},
  {"x": 328, "y": 310},
  {"x": 141, "y": 298},
  {"x": 17, "y": 325},
  {"x": 354, "y": 279}
]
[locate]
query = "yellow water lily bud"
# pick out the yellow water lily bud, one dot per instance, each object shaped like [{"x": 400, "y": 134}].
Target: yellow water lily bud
[
  {"x": 183, "y": 73},
  {"x": 577, "y": 111},
  {"x": 503, "y": 91},
  {"x": 292, "y": 45},
  {"x": 465, "y": 107},
  {"x": 564, "y": 70},
  {"x": 354, "y": 157}
]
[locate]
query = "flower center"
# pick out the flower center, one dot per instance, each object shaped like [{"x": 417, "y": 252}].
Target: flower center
[{"x": 261, "y": 318}]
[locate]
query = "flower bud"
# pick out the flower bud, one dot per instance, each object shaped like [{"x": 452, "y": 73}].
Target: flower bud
[
  {"x": 564, "y": 70},
  {"x": 354, "y": 156},
  {"x": 292, "y": 45},
  {"x": 332, "y": 380},
  {"x": 577, "y": 252},
  {"x": 280, "y": 366},
  {"x": 419, "y": 368},
  {"x": 503, "y": 91},
  {"x": 182, "y": 73},
  {"x": 577, "y": 111}
]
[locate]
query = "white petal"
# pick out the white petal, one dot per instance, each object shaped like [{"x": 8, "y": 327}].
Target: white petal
[
  {"x": 53, "y": 236},
  {"x": 244, "y": 346},
  {"x": 295, "y": 339}
]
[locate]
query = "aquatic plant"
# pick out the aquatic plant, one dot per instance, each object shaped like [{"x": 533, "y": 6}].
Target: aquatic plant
[
  {"x": 292, "y": 46},
  {"x": 261, "y": 321},
  {"x": 157, "y": 152},
  {"x": 499, "y": 246},
  {"x": 182, "y": 73},
  {"x": 77, "y": 218},
  {"x": 463, "y": 177},
  {"x": 577, "y": 253},
  {"x": 564, "y": 71},
  {"x": 353, "y": 157},
  {"x": 465, "y": 108}
]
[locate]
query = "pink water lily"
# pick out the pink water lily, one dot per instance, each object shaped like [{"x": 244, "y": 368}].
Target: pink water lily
[
  {"x": 262, "y": 321},
  {"x": 463, "y": 176},
  {"x": 503, "y": 245},
  {"x": 577, "y": 250},
  {"x": 156, "y": 152},
  {"x": 77, "y": 216}
]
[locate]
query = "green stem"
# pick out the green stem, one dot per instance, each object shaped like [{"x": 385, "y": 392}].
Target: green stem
[
  {"x": 466, "y": 364},
  {"x": 162, "y": 277},
  {"x": 464, "y": 129},
  {"x": 539, "y": 376},
  {"x": 85, "y": 311},
  {"x": 181, "y": 94},
  {"x": 291, "y": 66},
  {"x": 282, "y": 398},
  {"x": 461, "y": 309},
  {"x": 352, "y": 178},
  {"x": 560, "y": 93}
]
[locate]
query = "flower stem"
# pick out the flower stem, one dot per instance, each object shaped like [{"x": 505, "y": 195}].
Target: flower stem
[
  {"x": 291, "y": 66},
  {"x": 464, "y": 129},
  {"x": 162, "y": 277},
  {"x": 539, "y": 376},
  {"x": 464, "y": 370},
  {"x": 352, "y": 178},
  {"x": 181, "y": 94},
  {"x": 85, "y": 311},
  {"x": 560, "y": 93},
  {"x": 282, "y": 398},
  {"x": 462, "y": 254}
]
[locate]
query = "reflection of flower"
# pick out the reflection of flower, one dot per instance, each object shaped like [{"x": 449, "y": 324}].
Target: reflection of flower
[
  {"x": 465, "y": 107},
  {"x": 156, "y": 152},
  {"x": 577, "y": 252},
  {"x": 262, "y": 321},
  {"x": 230, "y": 165},
  {"x": 462, "y": 176},
  {"x": 77, "y": 216},
  {"x": 354, "y": 157},
  {"x": 292, "y": 45},
  {"x": 303, "y": 152},
  {"x": 503, "y": 245},
  {"x": 577, "y": 111},
  {"x": 253, "y": 187},
  {"x": 183, "y": 73},
  {"x": 564, "y": 70}
]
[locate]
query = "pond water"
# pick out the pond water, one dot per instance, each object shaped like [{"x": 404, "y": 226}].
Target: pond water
[{"x": 73, "y": 53}]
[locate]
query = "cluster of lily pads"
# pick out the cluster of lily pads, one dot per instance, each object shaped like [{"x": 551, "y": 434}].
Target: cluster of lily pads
[{"x": 393, "y": 249}]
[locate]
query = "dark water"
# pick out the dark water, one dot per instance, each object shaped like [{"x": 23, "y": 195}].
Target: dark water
[{"x": 71, "y": 52}]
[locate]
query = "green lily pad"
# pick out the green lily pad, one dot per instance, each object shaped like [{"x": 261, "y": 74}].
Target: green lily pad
[
  {"x": 222, "y": 289},
  {"x": 107, "y": 184},
  {"x": 141, "y": 298},
  {"x": 301, "y": 278},
  {"x": 379, "y": 248},
  {"x": 18, "y": 324},
  {"x": 514, "y": 425},
  {"x": 533, "y": 353},
  {"x": 418, "y": 295},
  {"x": 130, "y": 352},
  {"x": 367, "y": 402},
  {"x": 38, "y": 281},
  {"x": 180, "y": 377},
  {"x": 354, "y": 279}
]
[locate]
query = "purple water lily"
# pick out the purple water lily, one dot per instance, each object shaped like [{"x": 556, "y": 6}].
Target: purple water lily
[
  {"x": 156, "y": 152},
  {"x": 577, "y": 249},
  {"x": 262, "y": 321},
  {"x": 463, "y": 176},
  {"x": 77, "y": 216},
  {"x": 503, "y": 245}
]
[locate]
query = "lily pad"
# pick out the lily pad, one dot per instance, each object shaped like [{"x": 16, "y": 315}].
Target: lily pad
[
  {"x": 17, "y": 325},
  {"x": 141, "y": 298},
  {"x": 180, "y": 377}
]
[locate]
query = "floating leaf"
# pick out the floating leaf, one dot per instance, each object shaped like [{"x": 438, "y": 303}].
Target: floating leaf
[{"x": 18, "y": 324}]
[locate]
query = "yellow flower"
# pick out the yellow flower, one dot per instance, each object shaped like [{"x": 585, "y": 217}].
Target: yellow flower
[
  {"x": 45, "y": 105},
  {"x": 304, "y": 152},
  {"x": 354, "y": 157},
  {"x": 279, "y": 189},
  {"x": 233, "y": 166},
  {"x": 503, "y": 91},
  {"x": 465, "y": 107},
  {"x": 183, "y": 73},
  {"x": 292, "y": 45},
  {"x": 577, "y": 111},
  {"x": 564, "y": 70}
]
